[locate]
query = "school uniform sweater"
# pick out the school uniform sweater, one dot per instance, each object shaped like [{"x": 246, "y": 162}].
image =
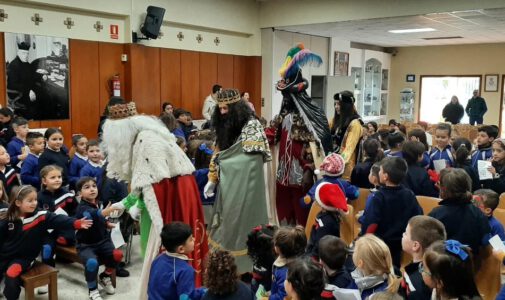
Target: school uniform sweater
[
  {"x": 359, "y": 175},
  {"x": 445, "y": 154},
  {"x": 389, "y": 153},
  {"x": 279, "y": 275},
  {"x": 327, "y": 223},
  {"x": 9, "y": 176},
  {"x": 172, "y": 278},
  {"x": 93, "y": 170},
  {"x": 24, "y": 237},
  {"x": 412, "y": 286},
  {"x": 59, "y": 158},
  {"x": 463, "y": 222},
  {"x": 30, "y": 171},
  {"x": 351, "y": 192},
  {"x": 425, "y": 163},
  {"x": 341, "y": 279},
  {"x": 14, "y": 148},
  {"x": 112, "y": 190},
  {"x": 98, "y": 231},
  {"x": 243, "y": 292},
  {"x": 418, "y": 180},
  {"x": 484, "y": 153},
  {"x": 201, "y": 177},
  {"x": 74, "y": 169},
  {"x": 497, "y": 184},
  {"x": 61, "y": 198},
  {"x": 496, "y": 228},
  {"x": 474, "y": 176}
]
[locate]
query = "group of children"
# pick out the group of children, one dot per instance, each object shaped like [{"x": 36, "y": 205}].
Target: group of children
[{"x": 53, "y": 201}]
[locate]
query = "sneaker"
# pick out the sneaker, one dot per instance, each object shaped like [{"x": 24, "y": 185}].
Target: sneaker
[
  {"x": 95, "y": 295},
  {"x": 122, "y": 272},
  {"x": 106, "y": 282},
  {"x": 42, "y": 290}
]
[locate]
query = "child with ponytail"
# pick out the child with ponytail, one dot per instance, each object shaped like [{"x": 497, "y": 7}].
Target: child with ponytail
[{"x": 462, "y": 148}]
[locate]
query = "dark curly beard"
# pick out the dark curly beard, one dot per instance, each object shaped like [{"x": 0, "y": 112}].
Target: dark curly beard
[{"x": 228, "y": 127}]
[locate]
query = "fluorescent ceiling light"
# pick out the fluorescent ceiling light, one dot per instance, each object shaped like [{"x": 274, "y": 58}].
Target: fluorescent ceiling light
[{"x": 412, "y": 30}]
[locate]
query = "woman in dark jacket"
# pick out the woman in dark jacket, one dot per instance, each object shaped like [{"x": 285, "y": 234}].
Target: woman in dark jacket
[{"x": 453, "y": 111}]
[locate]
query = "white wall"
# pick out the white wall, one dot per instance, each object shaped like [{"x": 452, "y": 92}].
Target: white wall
[
  {"x": 236, "y": 23},
  {"x": 278, "y": 43}
]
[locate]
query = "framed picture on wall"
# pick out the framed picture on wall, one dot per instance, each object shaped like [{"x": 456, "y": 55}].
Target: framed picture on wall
[
  {"x": 341, "y": 64},
  {"x": 491, "y": 83},
  {"x": 37, "y": 73}
]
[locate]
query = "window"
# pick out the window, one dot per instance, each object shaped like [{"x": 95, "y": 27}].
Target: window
[{"x": 437, "y": 91}]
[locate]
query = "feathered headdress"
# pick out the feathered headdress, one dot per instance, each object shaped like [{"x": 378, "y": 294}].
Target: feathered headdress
[{"x": 296, "y": 58}]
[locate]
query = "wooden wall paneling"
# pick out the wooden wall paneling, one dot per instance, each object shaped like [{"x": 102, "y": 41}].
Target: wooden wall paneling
[
  {"x": 225, "y": 70},
  {"x": 240, "y": 71},
  {"x": 208, "y": 77},
  {"x": 3, "y": 78},
  {"x": 253, "y": 82},
  {"x": 170, "y": 74},
  {"x": 84, "y": 88},
  {"x": 143, "y": 78},
  {"x": 190, "y": 82},
  {"x": 110, "y": 64}
]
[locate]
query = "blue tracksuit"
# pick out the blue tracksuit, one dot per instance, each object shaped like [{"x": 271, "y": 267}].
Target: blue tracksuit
[
  {"x": 481, "y": 154},
  {"x": 446, "y": 154}
]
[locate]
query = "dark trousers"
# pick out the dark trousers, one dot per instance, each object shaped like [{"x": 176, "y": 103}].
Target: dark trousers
[
  {"x": 477, "y": 120},
  {"x": 12, "y": 271},
  {"x": 395, "y": 247},
  {"x": 92, "y": 255},
  {"x": 50, "y": 242}
]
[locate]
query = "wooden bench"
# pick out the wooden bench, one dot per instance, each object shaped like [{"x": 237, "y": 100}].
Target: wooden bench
[
  {"x": 70, "y": 253},
  {"x": 40, "y": 275}
]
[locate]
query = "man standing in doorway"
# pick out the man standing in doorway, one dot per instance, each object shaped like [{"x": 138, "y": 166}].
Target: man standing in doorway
[
  {"x": 476, "y": 108},
  {"x": 210, "y": 102}
]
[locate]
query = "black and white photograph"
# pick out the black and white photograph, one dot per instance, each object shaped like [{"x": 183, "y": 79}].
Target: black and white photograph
[{"x": 37, "y": 76}]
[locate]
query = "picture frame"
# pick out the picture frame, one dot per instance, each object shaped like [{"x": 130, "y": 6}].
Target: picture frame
[
  {"x": 410, "y": 78},
  {"x": 341, "y": 64},
  {"x": 491, "y": 83}
]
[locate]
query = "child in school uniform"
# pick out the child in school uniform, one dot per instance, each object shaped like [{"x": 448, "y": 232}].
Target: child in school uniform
[
  {"x": 93, "y": 167},
  {"x": 420, "y": 233},
  {"x": 30, "y": 167},
  {"x": 461, "y": 149},
  {"x": 332, "y": 200},
  {"x": 332, "y": 169},
  {"x": 80, "y": 158},
  {"x": 441, "y": 152},
  {"x": 17, "y": 146},
  {"x": 8, "y": 174},
  {"x": 462, "y": 220},
  {"x": 417, "y": 178},
  {"x": 497, "y": 183},
  {"x": 6, "y": 131},
  {"x": 53, "y": 197},
  {"x": 172, "y": 277},
  {"x": 304, "y": 280},
  {"x": 289, "y": 243},
  {"x": 95, "y": 244},
  {"x": 395, "y": 142},
  {"x": 333, "y": 254},
  {"x": 485, "y": 137},
  {"x": 420, "y": 135},
  {"x": 487, "y": 201},
  {"x": 392, "y": 206},
  {"x": 373, "y": 177},
  {"x": 202, "y": 156},
  {"x": 23, "y": 229},
  {"x": 55, "y": 154},
  {"x": 260, "y": 249},
  {"x": 373, "y": 154}
]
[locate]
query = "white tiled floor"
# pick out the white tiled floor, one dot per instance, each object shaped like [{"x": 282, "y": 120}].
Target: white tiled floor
[{"x": 72, "y": 286}]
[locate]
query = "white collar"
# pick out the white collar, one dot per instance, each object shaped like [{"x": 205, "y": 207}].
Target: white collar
[
  {"x": 178, "y": 255},
  {"x": 280, "y": 262},
  {"x": 36, "y": 155},
  {"x": 99, "y": 165},
  {"x": 81, "y": 156}
]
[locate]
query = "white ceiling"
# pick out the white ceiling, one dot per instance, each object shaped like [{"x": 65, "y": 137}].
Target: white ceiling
[{"x": 475, "y": 26}]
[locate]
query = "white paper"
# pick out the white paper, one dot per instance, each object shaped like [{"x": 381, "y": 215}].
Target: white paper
[
  {"x": 439, "y": 165},
  {"x": 60, "y": 211},
  {"x": 346, "y": 294},
  {"x": 482, "y": 166},
  {"x": 116, "y": 236},
  {"x": 497, "y": 243}
]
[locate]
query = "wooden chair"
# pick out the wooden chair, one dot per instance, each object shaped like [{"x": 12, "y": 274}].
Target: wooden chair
[
  {"x": 488, "y": 278},
  {"x": 40, "y": 275},
  {"x": 501, "y": 204},
  {"x": 359, "y": 204},
  {"x": 311, "y": 219},
  {"x": 347, "y": 225},
  {"x": 427, "y": 203},
  {"x": 70, "y": 253}
]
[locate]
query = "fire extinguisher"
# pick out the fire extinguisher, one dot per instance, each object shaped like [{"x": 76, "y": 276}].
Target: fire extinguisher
[{"x": 116, "y": 85}]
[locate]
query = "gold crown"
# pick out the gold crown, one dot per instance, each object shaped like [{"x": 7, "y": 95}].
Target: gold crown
[
  {"x": 121, "y": 111},
  {"x": 228, "y": 96}
]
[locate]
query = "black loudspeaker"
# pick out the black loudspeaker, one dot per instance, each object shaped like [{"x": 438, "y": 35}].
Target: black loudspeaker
[{"x": 152, "y": 23}]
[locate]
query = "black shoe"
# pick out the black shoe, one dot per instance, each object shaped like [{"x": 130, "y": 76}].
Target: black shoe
[{"x": 122, "y": 272}]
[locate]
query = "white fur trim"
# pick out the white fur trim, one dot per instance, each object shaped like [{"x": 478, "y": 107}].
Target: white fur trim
[
  {"x": 317, "y": 172},
  {"x": 153, "y": 208},
  {"x": 152, "y": 250},
  {"x": 329, "y": 208}
]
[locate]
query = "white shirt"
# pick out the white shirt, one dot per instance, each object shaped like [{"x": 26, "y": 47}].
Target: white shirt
[{"x": 208, "y": 107}]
